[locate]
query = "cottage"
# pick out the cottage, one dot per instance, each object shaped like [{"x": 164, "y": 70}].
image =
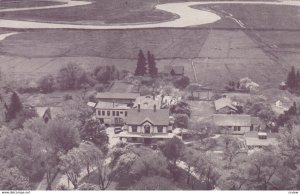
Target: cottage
[
  {"x": 199, "y": 92},
  {"x": 174, "y": 70},
  {"x": 147, "y": 126},
  {"x": 111, "y": 113},
  {"x": 260, "y": 139},
  {"x": 235, "y": 123},
  {"x": 121, "y": 98},
  {"x": 225, "y": 106}
]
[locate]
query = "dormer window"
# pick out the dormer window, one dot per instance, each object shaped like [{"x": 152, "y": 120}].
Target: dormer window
[{"x": 147, "y": 129}]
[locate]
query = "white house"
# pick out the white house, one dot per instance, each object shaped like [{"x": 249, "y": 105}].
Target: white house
[
  {"x": 147, "y": 126},
  {"x": 111, "y": 113}
]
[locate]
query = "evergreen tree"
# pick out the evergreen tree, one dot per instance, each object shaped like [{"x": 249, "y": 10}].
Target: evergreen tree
[
  {"x": 291, "y": 81},
  {"x": 141, "y": 64},
  {"x": 15, "y": 106},
  {"x": 151, "y": 65},
  {"x": 298, "y": 78}
]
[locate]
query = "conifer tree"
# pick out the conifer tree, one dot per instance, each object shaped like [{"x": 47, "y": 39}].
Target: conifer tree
[
  {"x": 141, "y": 64},
  {"x": 151, "y": 65},
  {"x": 15, "y": 106},
  {"x": 291, "y": 78}
]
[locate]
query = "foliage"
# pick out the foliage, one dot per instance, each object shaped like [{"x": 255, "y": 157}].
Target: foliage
[
  {"x": 14, "y": 107},
  {"x": 95, "y": 132},
  {"x": 182, "y": 82},
  {"x": 47, "y": 84},
  {"x": 181, "y": 120},
  {"x": 231, "y": 151},
  {"x": 151, "y": 64},
  {"x": 173, "y": 149},
  {"x": 154, "y": 183},
  {"x": 71, "y": 77},
  {"x": 106, "y": 73},
  {"x": 141, "y": 64},
  {"x": 203, "y": 129},
  {"x": 181, "y": 108}
]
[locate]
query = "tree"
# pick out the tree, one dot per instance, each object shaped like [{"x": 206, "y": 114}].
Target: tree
[
  {"x": 106, "y": 73},
  {"x": 95, "y": 132},
  {"x": 291, "y": 81},
  {"x": 63, "y": 135},
  {"x": 182, "y": 82},
  {"x": 181, "y": 108},
  {"x": 14, "y": 107},
  {"x": 12, "y": 179},
  {"x": 181, "y": 120},
  {"x": 203, "y": 129},
  {"x": 151, "y": 64},
  {"x": 70, "y": 164},
  {"x": 231, "y": 151},
  {"x": 154, "y": 183},
  {"x": 173, "y": 149},
  {"x": 190, "y": 157},
  {"x": 141, "y": 64},
  {"x": 47, "y": 83},
  {"x": 206, "y": 170},
  {"x": 71, "y": 77}
]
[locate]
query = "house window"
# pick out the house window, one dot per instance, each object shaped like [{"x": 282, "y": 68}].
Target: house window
[
  {"x": 113, "y": 113},
  {"x": 121, "y": 112},
  {"x": 108, "y": 113},
  {"x": 125, "y": 113},
  {"x": 99, "y": 112},
  {"x": 159, "y": 129},
  {"x": 147, "y": 129},
  {"x": 134, "y": 129},
  {"x": 236, "y": 128},
  {"x": 134, "y": 139},
  {"x": 103, "y": 113},
  {"x": 117, "y": 113}
]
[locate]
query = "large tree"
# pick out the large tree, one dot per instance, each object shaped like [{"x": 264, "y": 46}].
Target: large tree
[
  {"x": 71, "y": 77},
  {"x": 141, "y": 64},
  {"x": 151, "y": 64},
  {"x": 154, "y": 183},
  {"x": 14, "y": 107},
  {"x": 173, "y": 149},
  {"x": 292, "y": 79}
]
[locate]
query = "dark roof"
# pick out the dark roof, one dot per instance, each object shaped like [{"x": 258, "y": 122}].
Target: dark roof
[
  {"x": 232, "y": 120},
  {"x": 178, "y": 70},
  {"x": 159, "y": 117},
  {"x": 115, "y": 95}
]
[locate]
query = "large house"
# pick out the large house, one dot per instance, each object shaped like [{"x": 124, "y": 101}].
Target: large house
[
  {"x": 224, "y": 106},
  {"x": 114, "y": 97},
  {"x": 147, "y": 126},
  {"x": 234, "y": 123},
  {"x": 111, "y": 113}
]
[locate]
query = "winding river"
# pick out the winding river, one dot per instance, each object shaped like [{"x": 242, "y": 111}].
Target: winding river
[{"x": 187, "y": 16}]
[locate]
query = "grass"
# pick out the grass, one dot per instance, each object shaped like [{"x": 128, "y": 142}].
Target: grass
[
  {"x": 26, "y": 3},
  {"x": 264, "y": 17},
  {"x": 101, "y": 11}
]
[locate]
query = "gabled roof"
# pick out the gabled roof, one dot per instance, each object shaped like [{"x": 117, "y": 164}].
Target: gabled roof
[
  {"x": 232, "y": 120},
  {"x": 111, "y": 105},
  {"x": 224, "y": 102},
  {"x": 115, "y": 95},
  {"x": 179, "y": 70},
  {"x": 159, "y": 117},
  {"x": 40, "y": 111}
]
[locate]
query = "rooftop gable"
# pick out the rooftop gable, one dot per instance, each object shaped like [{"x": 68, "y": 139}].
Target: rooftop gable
[
  {"x": 159, "y": 117},
  {"x": 232, "y": 120}
]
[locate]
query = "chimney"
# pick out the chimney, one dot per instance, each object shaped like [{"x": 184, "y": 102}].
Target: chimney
[
  {"x": 154, "y": 107},
  {"x": 139, "y": 107}
]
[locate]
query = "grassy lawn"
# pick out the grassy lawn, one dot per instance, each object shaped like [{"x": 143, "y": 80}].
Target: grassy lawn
[
  {"x": 26, "y": 3},
  {"x": 101, "y": 11}
]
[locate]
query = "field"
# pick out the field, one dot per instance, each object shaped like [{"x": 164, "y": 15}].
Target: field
[
  {"x": 25, "y": 3},
  {"x": 112, "y": 11},
  {"x": 219, "y": 55}
]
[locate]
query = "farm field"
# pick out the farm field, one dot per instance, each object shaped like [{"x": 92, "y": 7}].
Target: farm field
[
  {"x": 26, "y": 3},
  {"x": 219, "y": 56},
  {"x": 262, "y": 17},
  {"x": 112, "y": 11}
]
